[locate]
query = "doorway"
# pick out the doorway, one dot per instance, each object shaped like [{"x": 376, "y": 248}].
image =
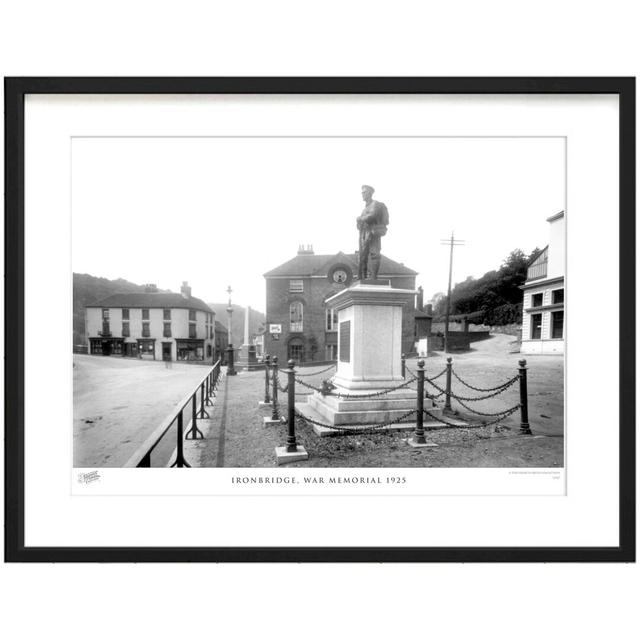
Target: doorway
[{"x": 166, "y": 351}]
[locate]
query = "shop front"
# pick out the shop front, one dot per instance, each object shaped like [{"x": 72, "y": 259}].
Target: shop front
[
  {"x": 190, "y": 349},
  {"x": 106, "y": 346}
]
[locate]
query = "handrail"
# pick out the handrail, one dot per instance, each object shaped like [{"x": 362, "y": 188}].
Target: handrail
[{"x": 142, "y": 455}]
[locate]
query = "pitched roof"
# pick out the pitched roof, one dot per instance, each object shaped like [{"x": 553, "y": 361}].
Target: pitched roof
[
  {"x": 152, "y": 301},
  {"x": 319, "y": 265},
  {"x": 220, "y": 327}
]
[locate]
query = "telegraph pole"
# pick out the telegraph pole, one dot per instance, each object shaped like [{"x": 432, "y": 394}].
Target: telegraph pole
[{"x": 452, "y": 242}]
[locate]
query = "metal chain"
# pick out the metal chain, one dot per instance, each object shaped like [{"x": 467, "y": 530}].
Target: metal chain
[
  {"x": 480, "y": 413},
  {"x": 491, "y": 395},
  {"x": 356, "y": 396},
  {"x": 506, "y": 414},
  {"x": 316, "y": 373},
  {"x": 466, "y": 384},
  {"x": 282, "y": 389},
  {"x": 415, "y": 377},
  {"x": 347, "y": 431},
  {"x": 427, "y": 394}
]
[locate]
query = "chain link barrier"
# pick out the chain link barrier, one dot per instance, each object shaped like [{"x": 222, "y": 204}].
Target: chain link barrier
[
  {"x": 383, "y": 392},
  {"x": 503, "y": 415},
  {"x": 480, "y": 413},
  {"x": 504, "y": 385},
  {"x": 415, "y": 377},
  {"x": 345, "y": 429},
  {"x": 317, "y": 373},
  {"x": 280, "y": 387}
]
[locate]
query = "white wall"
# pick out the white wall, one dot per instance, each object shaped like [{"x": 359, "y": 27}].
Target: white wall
[
  {"x": 557, "y": 252},
  {"x": 179, "y": 326}
]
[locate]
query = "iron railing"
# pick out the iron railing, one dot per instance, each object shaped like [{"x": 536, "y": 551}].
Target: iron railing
[{"x": 198, "y": 400}]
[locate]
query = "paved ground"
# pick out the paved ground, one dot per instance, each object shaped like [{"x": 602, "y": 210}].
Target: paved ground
[
  {"x": 118, "y": 402},
  {"x": 236, "y": 437}
]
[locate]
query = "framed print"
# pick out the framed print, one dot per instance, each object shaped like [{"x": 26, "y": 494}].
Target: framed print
[{"x": 320, "y": 319}]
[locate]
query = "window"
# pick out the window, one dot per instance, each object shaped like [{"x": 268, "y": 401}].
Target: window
[
  {"x": 557, "y": 296},
  {"x": 192, "y": 315},
  {"x": 145, "y": 330},
  {"x": 332, "y": 320},
  {"x": 192, "y": 330},
  {"x": 145, "y": 314},
  {"x": 296, "y": 286},
  {"x": 166, "y": 314},
  {"x": 209, "y": 351},
  {"x": 125, "y": 329},
  {"x": 211, "y": 332},
  {"x": 125, "y": 314},
  {"x": 295, "y": 316},
  {"x": 167, "y": 330},
  {"x": 296, "y": 352},
  {"x": 536, "y": 326},
  {"x": 105, "y": 314},
  {"x": 557, "y": 324},
  {"x": 536, "y": 300}
]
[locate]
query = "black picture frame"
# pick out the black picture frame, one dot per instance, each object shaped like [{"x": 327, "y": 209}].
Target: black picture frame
[{"x": 15, "y": 91}]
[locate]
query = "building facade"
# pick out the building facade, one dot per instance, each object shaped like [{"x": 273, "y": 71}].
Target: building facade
[
  {"x": 299, "y": 325},
  {"x": 543, "y": 317},
  {"x": 221, "y": 340},
  {"x": 152, "y": 325}
]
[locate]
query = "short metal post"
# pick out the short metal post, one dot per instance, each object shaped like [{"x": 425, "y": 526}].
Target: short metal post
[
  {"x": 274, "y": 392},
  {"x": 525, "y": 429},
  {"x": 403, "y": 365},
  {"x": 193, "y": 433},
  {"x": 194, "y": 412},
  {"x": 180, "y": 461},
  {"x": 419, "y": 435},
  {"x": 292, "y": 446},
  {"x": 230, "y": 369},
  {"x": 203, "y": 411},
  {"x": 267, "y": 363},
  {"x": 447, "y": 402}
]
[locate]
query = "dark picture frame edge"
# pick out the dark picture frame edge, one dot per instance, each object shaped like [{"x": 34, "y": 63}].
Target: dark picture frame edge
[{"x": 15, "y": 90}]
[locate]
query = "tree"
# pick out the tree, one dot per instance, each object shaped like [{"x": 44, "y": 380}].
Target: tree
[{"x": 497, "y": 293}]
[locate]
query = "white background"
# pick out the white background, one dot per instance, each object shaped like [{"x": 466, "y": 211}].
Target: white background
[
  {"x": 53, "y": 517},
  {"x": 469, "y": 38}
]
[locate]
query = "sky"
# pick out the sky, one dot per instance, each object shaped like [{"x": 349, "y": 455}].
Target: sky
[{"x": 222, "y": 211}]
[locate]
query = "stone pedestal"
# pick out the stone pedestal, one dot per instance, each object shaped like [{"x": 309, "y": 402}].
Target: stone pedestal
[
  {"x": 247, "y": 360},
  {"x": 369, "y": 360},
  {"x": 369, "y": 335}
]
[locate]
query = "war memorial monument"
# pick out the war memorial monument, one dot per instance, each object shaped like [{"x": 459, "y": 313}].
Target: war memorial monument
[{"x": 369, "y": 343}]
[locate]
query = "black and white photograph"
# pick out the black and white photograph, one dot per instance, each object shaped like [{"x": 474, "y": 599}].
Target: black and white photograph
[
  {"x": 312, "y": 302},
  {"x": 346, "y": 301}
]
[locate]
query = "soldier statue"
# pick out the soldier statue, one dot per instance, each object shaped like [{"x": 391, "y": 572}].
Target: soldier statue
[{"x": 372, "y": 225}]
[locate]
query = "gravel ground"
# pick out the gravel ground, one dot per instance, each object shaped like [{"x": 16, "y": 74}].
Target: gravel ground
[
  {"x": 118, "y": 402},
  {"x": 236, "y": 437}
]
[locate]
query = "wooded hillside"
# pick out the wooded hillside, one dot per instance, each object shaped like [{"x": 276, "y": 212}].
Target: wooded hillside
[{"x": 496, "y": 294}]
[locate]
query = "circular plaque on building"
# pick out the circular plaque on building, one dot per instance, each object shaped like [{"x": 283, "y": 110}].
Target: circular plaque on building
[{"x": 340, "y": 274}]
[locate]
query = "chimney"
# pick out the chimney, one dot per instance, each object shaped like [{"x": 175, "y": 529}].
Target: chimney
[
  {"x": 185, "y": 289},
  {"x": 150, "y": 288},
  {"x": 420, "y": 300},
  {"x": 305, "y": 250}
]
